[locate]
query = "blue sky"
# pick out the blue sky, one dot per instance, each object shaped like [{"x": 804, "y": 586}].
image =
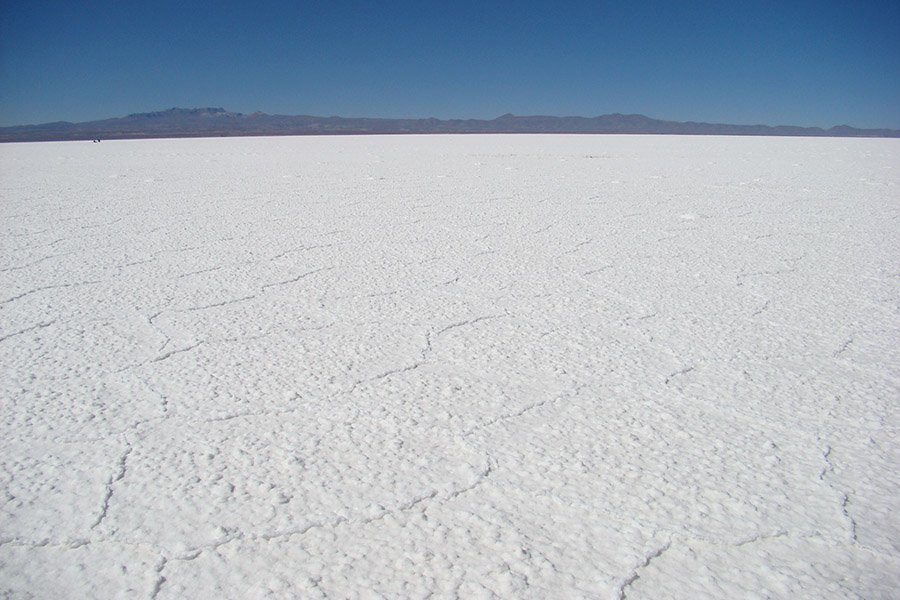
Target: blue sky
[{"x": 803, "y": 63}]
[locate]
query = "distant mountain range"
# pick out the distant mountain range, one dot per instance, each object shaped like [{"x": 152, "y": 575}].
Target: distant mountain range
[{"x": 217, "y": 122}]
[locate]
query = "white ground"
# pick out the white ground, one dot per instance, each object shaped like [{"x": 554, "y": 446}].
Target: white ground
[{"x": 460, "y": 366}]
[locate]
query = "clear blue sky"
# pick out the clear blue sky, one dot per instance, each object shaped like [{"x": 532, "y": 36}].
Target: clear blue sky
[{"x": 780, "y": 62}]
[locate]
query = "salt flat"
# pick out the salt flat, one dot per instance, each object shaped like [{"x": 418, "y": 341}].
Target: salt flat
[{"x": 450, "y": 367}]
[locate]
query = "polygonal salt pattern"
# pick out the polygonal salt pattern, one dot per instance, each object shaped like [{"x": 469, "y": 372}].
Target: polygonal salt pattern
[{"x": 450, "y": 367}]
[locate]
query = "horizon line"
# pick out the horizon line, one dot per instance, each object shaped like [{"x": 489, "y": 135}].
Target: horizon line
[{"x": 220, "y": 109}]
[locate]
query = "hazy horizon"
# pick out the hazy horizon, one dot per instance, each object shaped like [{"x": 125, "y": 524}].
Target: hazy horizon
[{"x": 450, "y": 118}]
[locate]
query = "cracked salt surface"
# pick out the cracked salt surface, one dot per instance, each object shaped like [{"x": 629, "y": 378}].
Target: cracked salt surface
[{"x": 450, "y": 367}]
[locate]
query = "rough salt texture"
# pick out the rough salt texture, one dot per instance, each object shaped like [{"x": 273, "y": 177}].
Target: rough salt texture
[{"x": 450, "y": 367}]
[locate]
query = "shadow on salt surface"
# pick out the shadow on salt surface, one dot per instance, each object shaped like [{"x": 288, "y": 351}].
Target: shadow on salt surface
[
  {"x": 222, "y": 378},
  {"x": 101, "y": 569},
  {"x": 859, "y": 472},
  {"x": 442, "y": 549},
  {"x": 768, "y": 568},
  {"x": 262, "y": 477},
  {"x": 496, "y": 538},
  {"x": 80, "y": 410},
  {"x": 564, "y": 464},
  {"x": 664, "y": 466},
  {"x": 54, "y": 491}
]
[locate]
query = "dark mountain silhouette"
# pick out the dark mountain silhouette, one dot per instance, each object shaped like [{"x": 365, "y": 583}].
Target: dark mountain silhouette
[{"x": 216, "y": 122}]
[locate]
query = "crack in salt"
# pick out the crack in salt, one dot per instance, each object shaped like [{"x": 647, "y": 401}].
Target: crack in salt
[
  {"x": 41, "y": 325},
  {"x": 843, "y": 347},
  {"x": 827, "y": 470},
  {"x": 635, "y": 573},
  {"x": 678, "y": 373},
  {"x": 117, "y": 476},
  {"x": 160, "y": 579},
  {"x": 50, "y": 287},
  {"x": 266, "y": 286}
]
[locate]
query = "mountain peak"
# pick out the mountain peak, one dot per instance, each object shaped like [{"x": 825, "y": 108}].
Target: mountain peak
[
  {"x": 217, "y": 122},
  {"x": 175, "y": 111}
]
